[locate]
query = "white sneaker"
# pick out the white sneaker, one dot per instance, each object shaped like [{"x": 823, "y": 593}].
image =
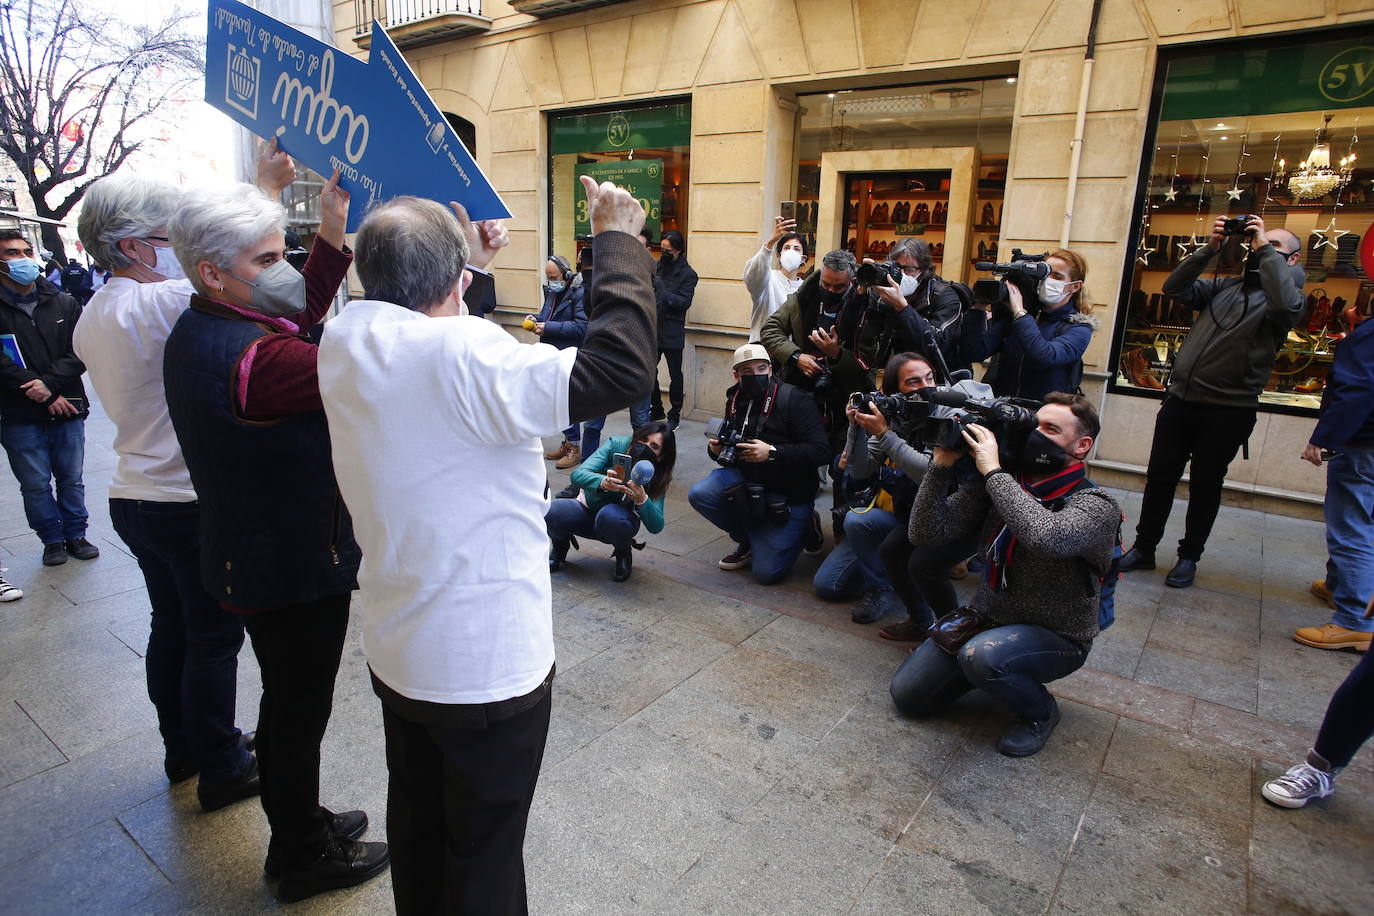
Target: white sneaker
[
  {"x": 9, "y": 592},
  {"x": 1298, "y": 786}
]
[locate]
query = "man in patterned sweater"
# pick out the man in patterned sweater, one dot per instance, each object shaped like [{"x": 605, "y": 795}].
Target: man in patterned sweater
[{"x": 1047, "y": 536}]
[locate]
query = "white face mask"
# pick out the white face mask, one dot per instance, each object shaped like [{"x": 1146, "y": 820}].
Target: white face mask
[
  {"x": 909, "y": 284},
  {"x": 790, "y": 259},
  {"x": 166, "y": 263},
  {"x": 1051, "y": 291}
]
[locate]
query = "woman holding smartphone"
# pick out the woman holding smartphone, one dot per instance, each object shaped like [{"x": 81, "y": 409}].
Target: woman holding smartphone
[{"x": 615, "y": 495}]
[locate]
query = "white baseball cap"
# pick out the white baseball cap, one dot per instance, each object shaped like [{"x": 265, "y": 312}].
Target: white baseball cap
[{"x": 748, "y": 353}]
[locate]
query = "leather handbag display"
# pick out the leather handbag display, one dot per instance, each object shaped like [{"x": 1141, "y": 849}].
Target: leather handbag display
[{"x": 957, "y": 627}]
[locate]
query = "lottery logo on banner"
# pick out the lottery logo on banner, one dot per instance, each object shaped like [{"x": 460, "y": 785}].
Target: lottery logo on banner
[{"x": 373, "y": 121}]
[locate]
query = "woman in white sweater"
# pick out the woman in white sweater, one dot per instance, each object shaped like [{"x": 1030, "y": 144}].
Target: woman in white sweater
[{"x": 769, "y": 286}]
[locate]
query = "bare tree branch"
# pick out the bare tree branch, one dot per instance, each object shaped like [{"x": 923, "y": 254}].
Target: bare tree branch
[{"x": 77, "y": 86}]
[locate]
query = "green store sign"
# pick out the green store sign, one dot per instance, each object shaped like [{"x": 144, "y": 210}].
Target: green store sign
[
  {"x": 658, "y": 127},
  {"x": 641, "y": 177},
  {"x": 1324, "y": 76}
]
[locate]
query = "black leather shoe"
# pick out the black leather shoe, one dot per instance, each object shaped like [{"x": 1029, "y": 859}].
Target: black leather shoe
[
  {"x": 180, "y": 769},
  {"x": 674, "y": 418},
  {"x": 624, "y": 563},
  {"x": 345, "y": 863},
  {"x": 1135, "y": 558},
  {"x": 1181, "y": 576},
  {"x": 54, "y": 554},
  {"x": 346, "y": 825},
  {"x": 82, "y": 549},
  {"x": 558, "y": 555},
  {"x": 568, "y": 492},
  {"x": 1026, "y": 738},
  {"x": 216, "y": 795}
]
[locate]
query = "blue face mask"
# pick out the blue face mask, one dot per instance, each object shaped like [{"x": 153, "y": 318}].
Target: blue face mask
[
  {"x": 555, "y": 286},
  {"x": 23, "y": 270}
]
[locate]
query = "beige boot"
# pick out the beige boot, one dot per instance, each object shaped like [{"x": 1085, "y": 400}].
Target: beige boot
[
  {"x": 560, "y": 452},
  {"x": 572, "y": 459}
]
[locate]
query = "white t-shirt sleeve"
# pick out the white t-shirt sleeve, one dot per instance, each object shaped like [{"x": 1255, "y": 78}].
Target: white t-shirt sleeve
[{"x": 509, "y": 392}]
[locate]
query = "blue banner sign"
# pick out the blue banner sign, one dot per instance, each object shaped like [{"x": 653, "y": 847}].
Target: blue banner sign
[{"x": 373, "y": 121}]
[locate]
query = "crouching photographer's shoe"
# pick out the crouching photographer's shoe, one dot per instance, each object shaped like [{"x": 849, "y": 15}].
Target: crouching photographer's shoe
[{"x": 1027, "y": 737}]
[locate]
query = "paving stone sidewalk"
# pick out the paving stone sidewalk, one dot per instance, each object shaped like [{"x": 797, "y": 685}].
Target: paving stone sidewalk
[{"x": 718, "y": 747}]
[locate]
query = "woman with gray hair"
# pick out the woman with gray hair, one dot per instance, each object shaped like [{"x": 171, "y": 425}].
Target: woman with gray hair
[{"x": 276, "y": 542}]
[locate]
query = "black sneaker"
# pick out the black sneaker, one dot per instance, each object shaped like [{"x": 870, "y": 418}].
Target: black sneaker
[
  {"x": 216, "y": 795},
  {"x": 54, "y": 554},
  {"x": 345, "y": 863},
  {"x": 81, "y": 548},
  {"x": 346, "y": 825},
  {"x": 872, "y": 608},
  {"x": 1027, "y": 737},
  {"x": 814, "y": 539},
  {"x": 568, "y": 492}
]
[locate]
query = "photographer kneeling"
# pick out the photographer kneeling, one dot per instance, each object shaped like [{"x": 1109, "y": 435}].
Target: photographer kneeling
[
  {"x": 1047, "y": 537},
  {"x": 769, "y": 445},
  {"x": 877, "y": 449},
  {"x": 612, "y": 501}
]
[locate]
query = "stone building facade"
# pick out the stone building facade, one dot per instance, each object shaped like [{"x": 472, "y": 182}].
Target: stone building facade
[{"x": 750, "y": 70}]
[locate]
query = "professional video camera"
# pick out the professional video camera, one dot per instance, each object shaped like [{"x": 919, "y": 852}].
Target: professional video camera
[
  {"x": 1009, "y": 419},
  {"x": 1024, "y": 270},
  {"x": 909, "y": 410}
]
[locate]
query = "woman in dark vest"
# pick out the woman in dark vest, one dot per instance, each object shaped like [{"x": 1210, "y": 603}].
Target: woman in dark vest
[{"x": 276, "y": 540}]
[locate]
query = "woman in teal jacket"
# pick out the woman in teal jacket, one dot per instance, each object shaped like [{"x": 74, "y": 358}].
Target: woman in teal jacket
[{"x": 608, "y": 508}]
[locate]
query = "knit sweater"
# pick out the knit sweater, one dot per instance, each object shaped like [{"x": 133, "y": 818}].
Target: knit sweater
[{"x": 1059, "y": 559}]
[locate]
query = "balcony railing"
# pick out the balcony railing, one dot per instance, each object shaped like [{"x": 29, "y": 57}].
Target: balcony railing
[{"x": 411, "y": 23}]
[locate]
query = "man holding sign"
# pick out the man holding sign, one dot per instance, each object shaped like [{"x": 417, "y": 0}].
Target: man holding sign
[{"x": 458, "y": 632}]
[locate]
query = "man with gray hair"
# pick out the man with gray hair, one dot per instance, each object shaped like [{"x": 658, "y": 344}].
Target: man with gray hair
[{"x": 435, "y": 418}]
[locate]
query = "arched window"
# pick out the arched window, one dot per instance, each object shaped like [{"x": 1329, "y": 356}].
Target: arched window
[{"x": 465, "y": 131}]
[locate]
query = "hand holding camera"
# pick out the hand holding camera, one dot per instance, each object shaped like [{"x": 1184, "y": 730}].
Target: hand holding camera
[
  {"x": 875, "y": 424},
  {"x": 1249, "y": 227},
  {"x": 808, "y": 364},
  {"x": 1015, "y": 301},
  {"x": 882, "y": 280},
  {"x": 753, "y": 450},
  {"x": 828, "y": 342},
  {"x": 982, "y": 445}
]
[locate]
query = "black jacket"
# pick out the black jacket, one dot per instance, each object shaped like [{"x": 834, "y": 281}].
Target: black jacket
[
  {"x": 794, "y": 426},
  {"x": 45, "y": 340},
  {"x": 677, "y": 284},
  {"x": 563, "y": 316}
]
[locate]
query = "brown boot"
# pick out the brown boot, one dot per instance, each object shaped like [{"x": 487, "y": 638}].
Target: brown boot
[
  {"x": 570, "y": 460},
  {"x": 560, "y": 452}
]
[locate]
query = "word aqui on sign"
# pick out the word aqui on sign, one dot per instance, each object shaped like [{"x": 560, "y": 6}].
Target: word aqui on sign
[{"x": 327, "y": 108}]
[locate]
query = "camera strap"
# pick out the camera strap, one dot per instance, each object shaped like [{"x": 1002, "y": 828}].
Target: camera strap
[{"x": 769, "y": 400}]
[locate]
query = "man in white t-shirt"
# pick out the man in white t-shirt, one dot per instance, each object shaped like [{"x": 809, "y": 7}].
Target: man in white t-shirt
[{"x": 435, "y": 418}]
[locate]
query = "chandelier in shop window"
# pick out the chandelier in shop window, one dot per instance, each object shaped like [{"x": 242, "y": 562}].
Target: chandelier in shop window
[{"x": 1314, "y": 176}]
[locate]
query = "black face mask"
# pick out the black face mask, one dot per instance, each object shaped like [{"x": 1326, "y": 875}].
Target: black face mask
[
  {"x": 831, "y": 300},
  {"x": 641, "y": 451},
  {"x": 753, "y": 387},
  {"x": 1042, "y": 455},
  {"x": 666, "y": 257}
]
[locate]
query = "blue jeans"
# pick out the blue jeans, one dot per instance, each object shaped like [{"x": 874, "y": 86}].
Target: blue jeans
[
  {"x": 194, "y": 644},
  {"x": 775, "y": 547},
  {"x": 587, "y": 434},
  {"x": 1350, "y": 535},
  {"x": 612, "y": 524},
  {"x": 1012, "y": 663},
  {"x": 40, "y": 453},
  {"x": 854, "y": 565},
  {"x": 639, "y": 414}
]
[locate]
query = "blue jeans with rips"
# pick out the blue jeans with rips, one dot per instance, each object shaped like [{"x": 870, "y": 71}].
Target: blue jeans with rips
[
  {"x": 1013, "y": 663},
  {"x": 854, "y": 566},
  {"x": 775, "y": 547},
  {"x": 1350, "y": 535},
  {"x": 40, "y": 453}
]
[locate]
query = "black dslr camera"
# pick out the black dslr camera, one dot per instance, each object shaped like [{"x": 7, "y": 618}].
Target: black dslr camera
[
  {"x": 908, "y": 410},
  {"x": 729, "y": 438},
  {"x": 1237, "y": 225},
  {"x": 1025, "y": 271},
  {"x": 883, "y": 273},
  {"x": 1009, "y": 419}
]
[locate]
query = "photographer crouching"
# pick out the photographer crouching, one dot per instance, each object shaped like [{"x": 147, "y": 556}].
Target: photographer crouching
[
  {"x": 769, "y": 445},
  {"x": 1047, "y": 536}
]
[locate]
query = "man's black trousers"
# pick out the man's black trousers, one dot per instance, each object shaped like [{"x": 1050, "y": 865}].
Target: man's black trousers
[
  {"x": 1209, "y": 436},
  {"x": 298, "y": 649},
  {"x": 458, "y": 797}
]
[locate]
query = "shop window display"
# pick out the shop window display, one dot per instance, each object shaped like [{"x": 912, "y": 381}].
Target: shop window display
[
  {"x": 1272, "y": 131},
  {"x": 644, "y": 149}
]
